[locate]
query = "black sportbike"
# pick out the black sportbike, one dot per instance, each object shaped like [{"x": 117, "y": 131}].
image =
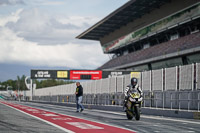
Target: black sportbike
[{"x": 133, "y": 105}]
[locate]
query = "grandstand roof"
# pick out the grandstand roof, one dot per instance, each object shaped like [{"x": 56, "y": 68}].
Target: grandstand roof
[{"x": 129, "y": 12}]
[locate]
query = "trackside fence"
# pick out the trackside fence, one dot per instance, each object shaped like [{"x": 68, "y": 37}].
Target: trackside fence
[{"x": 171, "y": 88}]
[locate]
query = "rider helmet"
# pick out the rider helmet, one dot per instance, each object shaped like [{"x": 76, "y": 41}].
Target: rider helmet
[{"x": 134, "y": 81}]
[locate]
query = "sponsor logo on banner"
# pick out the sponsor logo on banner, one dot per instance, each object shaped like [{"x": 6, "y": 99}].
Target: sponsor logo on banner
[
  {"x": 136, "y": 75},
  {"x": 62, "y": 74}
]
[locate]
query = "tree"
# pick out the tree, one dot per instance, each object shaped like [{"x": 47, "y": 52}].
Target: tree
[
  {"x": 50, "y": 82},
  {"x": 19, "y": 83}
]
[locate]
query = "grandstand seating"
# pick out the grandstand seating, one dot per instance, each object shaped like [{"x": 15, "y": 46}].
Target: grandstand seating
[{"x": 174, "y": 46}]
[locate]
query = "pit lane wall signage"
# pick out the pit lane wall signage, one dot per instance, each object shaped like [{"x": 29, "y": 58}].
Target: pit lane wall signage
[
  {"x": 67, "y": 74},
  {"x": 49, "y": 74},
  {"x": 79, "y": 74},
  {"x": 109, "y": 74},
  {"x": 85, "y": 74}
]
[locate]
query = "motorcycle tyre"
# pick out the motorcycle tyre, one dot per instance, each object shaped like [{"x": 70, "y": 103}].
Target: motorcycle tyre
[
  {"x": 137, "y": 113},
  {"x": 129, "y": 117}
]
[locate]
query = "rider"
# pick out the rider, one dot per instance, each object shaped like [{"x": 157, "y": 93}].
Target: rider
[{"x": 133, "y": 86}]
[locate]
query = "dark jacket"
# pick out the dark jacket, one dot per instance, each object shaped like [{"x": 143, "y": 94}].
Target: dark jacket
[{"x": 79, "y": 89}]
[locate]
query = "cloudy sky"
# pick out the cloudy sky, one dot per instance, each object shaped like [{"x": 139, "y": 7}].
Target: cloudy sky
[{"x": 38, "y": 34}]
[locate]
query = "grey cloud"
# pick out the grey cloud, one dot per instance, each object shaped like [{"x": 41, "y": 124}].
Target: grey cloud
[
  {"x": 54, "y": 23},
  {"x": 36, "y": 26},
  {"x": 11, "y": 2}
]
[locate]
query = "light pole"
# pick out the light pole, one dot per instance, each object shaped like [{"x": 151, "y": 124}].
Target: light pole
[
  {"x": 8, "y": 90},
  {"x": 18, "y": 90},
  {"x": 29, "y": 86}
]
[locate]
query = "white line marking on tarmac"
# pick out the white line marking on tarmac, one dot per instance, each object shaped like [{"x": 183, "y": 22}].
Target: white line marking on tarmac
[
  {"x": 149, "y": 117},
  {"x": 66, "y": 130},
  {"x": 61, "y": 118},
  {"x": 82, "y": 118},
  {"x": 32, "y": 110},
  {"x": 154, "y": 117},
  {"x": 49, "y": 115},
  {"x": 83, "y": 125}
]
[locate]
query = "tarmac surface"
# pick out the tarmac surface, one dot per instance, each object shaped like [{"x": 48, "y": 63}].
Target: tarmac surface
[{"x": 13, "y": 121}]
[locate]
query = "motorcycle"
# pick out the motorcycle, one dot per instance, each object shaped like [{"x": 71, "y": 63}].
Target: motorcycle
[{"x": 133, "y": 105}]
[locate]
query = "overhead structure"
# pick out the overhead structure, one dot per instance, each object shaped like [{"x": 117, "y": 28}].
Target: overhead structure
[
  {"x": 149, "y": 34},
  {"x": 129, "y": 12}
]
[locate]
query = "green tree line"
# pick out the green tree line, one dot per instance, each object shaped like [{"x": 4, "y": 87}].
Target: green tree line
[
  {"x": 50, "y": 82},
  {"x": 19, "y": 83}
]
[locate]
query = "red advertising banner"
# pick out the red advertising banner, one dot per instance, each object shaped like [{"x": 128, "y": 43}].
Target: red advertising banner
[{"x": 85, "y": 74}]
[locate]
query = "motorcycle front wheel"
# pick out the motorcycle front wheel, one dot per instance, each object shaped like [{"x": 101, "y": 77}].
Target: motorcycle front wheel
[
  {"x": 137, "y": 113},
  {"x": 129, "y": 115}
]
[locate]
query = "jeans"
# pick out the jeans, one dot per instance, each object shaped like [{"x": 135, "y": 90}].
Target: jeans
[{"x": 78, "y": 102}]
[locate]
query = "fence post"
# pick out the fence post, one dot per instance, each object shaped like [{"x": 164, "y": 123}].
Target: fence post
[
  {"x": 95, "y": 86},
  {"x": 144, "y": 99},
  {"x": 151, "y": 92},
  {"x": 197, "y": 76},
  {"x": 177, "y": 78},
  {"x": 171, "y": 99},
  {"x": 198, "y": 101},
  {"x": 115, "y": 84},
  {"x": 162, "y": 71},
  {"x": 122, "y": 84},
  {"x": 165, "y": 79},
  {"x": 163, "y": 100},
  {"x": 179, "y": 105},
  {"x": 188, "y": 102},
  {"x": 109, "y": 90},
  {"x": 180, "y": 86},
  {"x": 156, "y": 99},
  {"x": 192, "y": 77}
]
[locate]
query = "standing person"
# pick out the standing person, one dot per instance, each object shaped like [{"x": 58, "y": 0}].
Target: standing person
[{"x": 79, "y": 97}]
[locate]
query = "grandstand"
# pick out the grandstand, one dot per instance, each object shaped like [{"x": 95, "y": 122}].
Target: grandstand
[{"x": 149, "y": 34}]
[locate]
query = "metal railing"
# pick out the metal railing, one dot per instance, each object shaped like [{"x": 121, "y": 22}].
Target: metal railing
[
  {"x": 178, "y": 100},
  {"x": 172, "y": 88}
]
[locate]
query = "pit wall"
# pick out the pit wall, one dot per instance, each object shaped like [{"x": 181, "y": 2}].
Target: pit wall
[{"x": 171, "y": 88}]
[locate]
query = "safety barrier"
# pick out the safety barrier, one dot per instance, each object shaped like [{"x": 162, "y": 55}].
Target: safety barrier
[
  {"x": 171, "y": 78},
  {"x": 197, "y": 83},
  {"x": 157, "y": 80},
  {"x": 179, "y": 100},
  {"x": 186, "y": 77},
  {"x": 146, "y": 81},
  {"x": 173, "y": 88},
  {"x": 187, "y": 100}
]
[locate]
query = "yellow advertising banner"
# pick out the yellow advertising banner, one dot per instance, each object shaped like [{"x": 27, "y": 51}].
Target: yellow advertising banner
[
  {"x": 136, "y": 75},
  {"x": 62, "y": 74}
]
